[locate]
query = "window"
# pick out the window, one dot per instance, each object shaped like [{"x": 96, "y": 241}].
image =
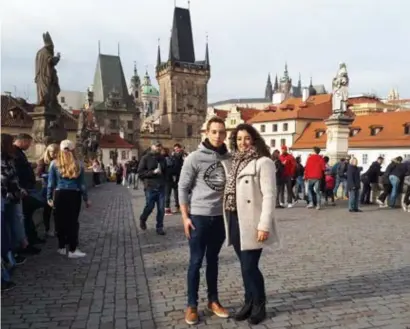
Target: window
[
  {"x": 353, "y": 132},
  {"x": 283, "y": 142},
  {"x": 62, "y": 99},
  {"x": 263, "y": 128},
  {"x": 364, "y": 159},
  {"x": 124, "y": 155},
  {"x": 189, "y": 131},
  {"x": 407, "y": 129},
  {"x": 130, "y": 137},
  {"x": 375, "y": 130},
  {"x": 285, "y": 127},
  {"x": 130, "y": 124},
  {"x": 319, "y": 133},
  {"x": 233, "y": 122},
  {"x": 274, "y": 128},
  {"x": 136, "y": 94},
  {"x": 272, "y": 142},
  {"x": 113, "y": 123}
]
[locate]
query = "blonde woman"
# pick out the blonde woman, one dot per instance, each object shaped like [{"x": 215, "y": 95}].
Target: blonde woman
[
  {"x": 66, "y": 181},
  {"x": 42, "y": 168}
]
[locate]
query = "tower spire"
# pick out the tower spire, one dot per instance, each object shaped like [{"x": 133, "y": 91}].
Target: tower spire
[
  {"x": 276, "y": 85},
  {"x": 118, "y": 46},
  {"x": 99, "y": 47},
  {"x": 207, "y": 51},
  {"x": 135, "y": 68},
  {"x": 159, "y": 54}
]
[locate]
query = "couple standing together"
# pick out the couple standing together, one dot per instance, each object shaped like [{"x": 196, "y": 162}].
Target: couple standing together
[{"x": 228, "y": 197}]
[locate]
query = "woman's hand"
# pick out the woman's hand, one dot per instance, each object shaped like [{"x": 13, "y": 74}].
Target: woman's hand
[
  {"x": 50, "y": 203},
  {"x": 88, "y": 204},
  {"x": 262, "y": 236}
]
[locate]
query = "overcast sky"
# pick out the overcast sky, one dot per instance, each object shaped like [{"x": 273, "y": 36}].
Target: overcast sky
[{"x": 247, "y": 40}]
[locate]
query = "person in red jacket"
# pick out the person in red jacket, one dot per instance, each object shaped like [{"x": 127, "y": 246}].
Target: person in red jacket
[
  {"x": 289, "y": 171},
  {"x": 314, "y": 171}
]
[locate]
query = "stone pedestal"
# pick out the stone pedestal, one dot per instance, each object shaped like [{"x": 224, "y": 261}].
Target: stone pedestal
[
  {"x": 338, "y": 130},
  {"x": 48, "y": 128}
]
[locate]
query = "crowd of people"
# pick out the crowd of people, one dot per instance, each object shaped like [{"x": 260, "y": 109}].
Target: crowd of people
[
  {"x": 232, "y": 197},
  {"x": 63, "y": 189}
]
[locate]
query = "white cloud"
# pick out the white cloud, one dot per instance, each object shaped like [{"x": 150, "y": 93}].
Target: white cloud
[{"x": 247, "y": 40}]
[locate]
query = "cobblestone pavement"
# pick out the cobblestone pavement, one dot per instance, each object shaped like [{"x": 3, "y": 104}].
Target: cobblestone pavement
[{"x": 335, "y": 270}]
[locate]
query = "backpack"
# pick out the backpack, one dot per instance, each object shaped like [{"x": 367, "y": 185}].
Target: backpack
[
  {"x": 342, "y": 169},
  {"x": 335, "y": 169}
]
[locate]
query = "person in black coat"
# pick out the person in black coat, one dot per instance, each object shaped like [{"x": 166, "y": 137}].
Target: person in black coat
[
  {"x": 353, "y": 185},
  {"x": 279, "y": 176},
  {"x": 370, "y": 177},
  {"x": 387, "y": 186}
]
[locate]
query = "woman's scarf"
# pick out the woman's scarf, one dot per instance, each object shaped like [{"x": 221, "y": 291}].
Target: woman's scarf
[{"x": 239, "y": 161}]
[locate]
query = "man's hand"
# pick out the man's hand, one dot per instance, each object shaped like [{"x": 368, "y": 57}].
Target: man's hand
[
  {"x": 23, "y": 192},
  {"x": 188, "y": 226},
  {"x": 88, "y": 204},
  {"x": 262, "y": 236},
  {"x": 156, "y": 171},
  {"x": 51, "y": 203}
]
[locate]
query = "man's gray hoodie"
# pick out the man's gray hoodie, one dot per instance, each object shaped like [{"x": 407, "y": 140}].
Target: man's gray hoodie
[{"x": 202, "y": 182}]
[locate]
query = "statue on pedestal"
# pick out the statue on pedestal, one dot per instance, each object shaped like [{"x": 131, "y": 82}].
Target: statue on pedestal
[
  {"x": 340, "y": 87},
  {"x": 46, "y": 77}
]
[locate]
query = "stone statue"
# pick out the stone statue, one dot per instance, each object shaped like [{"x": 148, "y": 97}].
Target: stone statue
[
  {"x": 340, "y": 87},
  {"x": 46, "y": 77}
]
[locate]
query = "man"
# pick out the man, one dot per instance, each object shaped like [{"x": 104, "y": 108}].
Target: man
[
  {"x": 201, "y": 187},
  {"x": 176, "y": 161},
  {"x": 27, "y": 181},
  {"x": 314, "y": 171},
  {"x": 289, "y": 169},
  {"x": 279, "y": 177},
  {"x": 341, "y": 177},
  {"x": 369, "y": 178},
  {"x": 133, "y": 173},
  {"x": 152, "y": 170}
]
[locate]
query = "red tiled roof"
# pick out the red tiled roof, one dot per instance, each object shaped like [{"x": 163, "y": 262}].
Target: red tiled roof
[
  {"x": 364, "y": 100},
  {"x": 391, "y": 135},
  {"x": 114, "y": 141},
  {"x": 221, "y": 113},
  {"x": 247, "y": 113},
  {"x": 316, "y": 107}
]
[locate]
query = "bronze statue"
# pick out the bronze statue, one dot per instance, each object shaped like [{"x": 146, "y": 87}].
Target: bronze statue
[{"x": 46, "y": 78}]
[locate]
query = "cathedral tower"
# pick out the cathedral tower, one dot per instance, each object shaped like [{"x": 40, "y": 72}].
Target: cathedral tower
[{"x": 183, "y": 83}]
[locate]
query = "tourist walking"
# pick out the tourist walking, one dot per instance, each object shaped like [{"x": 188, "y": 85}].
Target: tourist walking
[
  {"x": 353, "y": 185},
  {"x": 152, "y": 170},
  {"x": 133, "y": 173},
  {"x": 66, "y": 187},
  {"x": 250, "y": 196},
  {"x": 42, "y": 169},
  {"x": 314, "y": 171},
  {"x": 201, "y": 187},
  {"x": 97, "y": 169},
  {"x": 387, "y": 185},
  {"x": 289, "y": 170},
  {"x": 279, "y": 176}
]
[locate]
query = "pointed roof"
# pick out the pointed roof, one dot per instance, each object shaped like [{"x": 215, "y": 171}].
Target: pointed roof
[
  {"x": 207, "y": 54},
  {"x": 269, "y": 82},
  {"x": 276, "y": 85},
  {"x": 182, "y": 42},
  {"x": 159, "y": 56},
  {"x": 109, "y": 76}
]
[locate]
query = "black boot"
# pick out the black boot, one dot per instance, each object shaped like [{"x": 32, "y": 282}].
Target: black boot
[
  {"x": 244, "y": 312},
  {"x": 258, "y": 313}
]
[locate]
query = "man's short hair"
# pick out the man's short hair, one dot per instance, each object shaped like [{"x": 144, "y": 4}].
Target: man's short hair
[
  {"x": 316, "y": 150},
  {"x": 214, "y": 120},
  {"x": 380, "y": 158},
  {"x": 23, "y": 136},
  {"x": 178, "y": 145}
]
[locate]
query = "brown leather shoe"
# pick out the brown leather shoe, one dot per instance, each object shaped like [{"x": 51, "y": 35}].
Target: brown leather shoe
[
  {"x": 191, "y": 315},
  {"x": 218, "y": 310}
]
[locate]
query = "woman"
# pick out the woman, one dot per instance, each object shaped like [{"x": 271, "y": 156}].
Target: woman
[
  {"x": 66, "y": 181},
  {"x": 119, "y": 171},
  {"x": 353, "y": 185},
  {"x": 42, "y": 172},
  {"x": 249, "y": 200},
  {"x": 96, "y": 167}
]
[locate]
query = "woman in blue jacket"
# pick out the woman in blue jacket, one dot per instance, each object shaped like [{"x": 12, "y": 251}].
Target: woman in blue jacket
[
  {"x": 353, "y": 185},
  {"x": 66, "y": 187}
]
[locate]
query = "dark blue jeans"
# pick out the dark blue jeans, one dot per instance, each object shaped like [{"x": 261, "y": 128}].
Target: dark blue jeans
[
  {"x": 253, "y": 281},
  {"x": 152, "y": 197},
  {"x": 354, "y": 199},
  {"x": 206, "y": 240}
]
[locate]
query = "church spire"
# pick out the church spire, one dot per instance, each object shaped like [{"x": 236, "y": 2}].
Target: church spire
[
  {"x": 276, "y": 85},
  {"x": 268, "y": 89}
]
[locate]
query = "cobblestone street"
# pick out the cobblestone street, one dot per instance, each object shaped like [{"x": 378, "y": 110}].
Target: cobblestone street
[{"x": 335, "y": 270}]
